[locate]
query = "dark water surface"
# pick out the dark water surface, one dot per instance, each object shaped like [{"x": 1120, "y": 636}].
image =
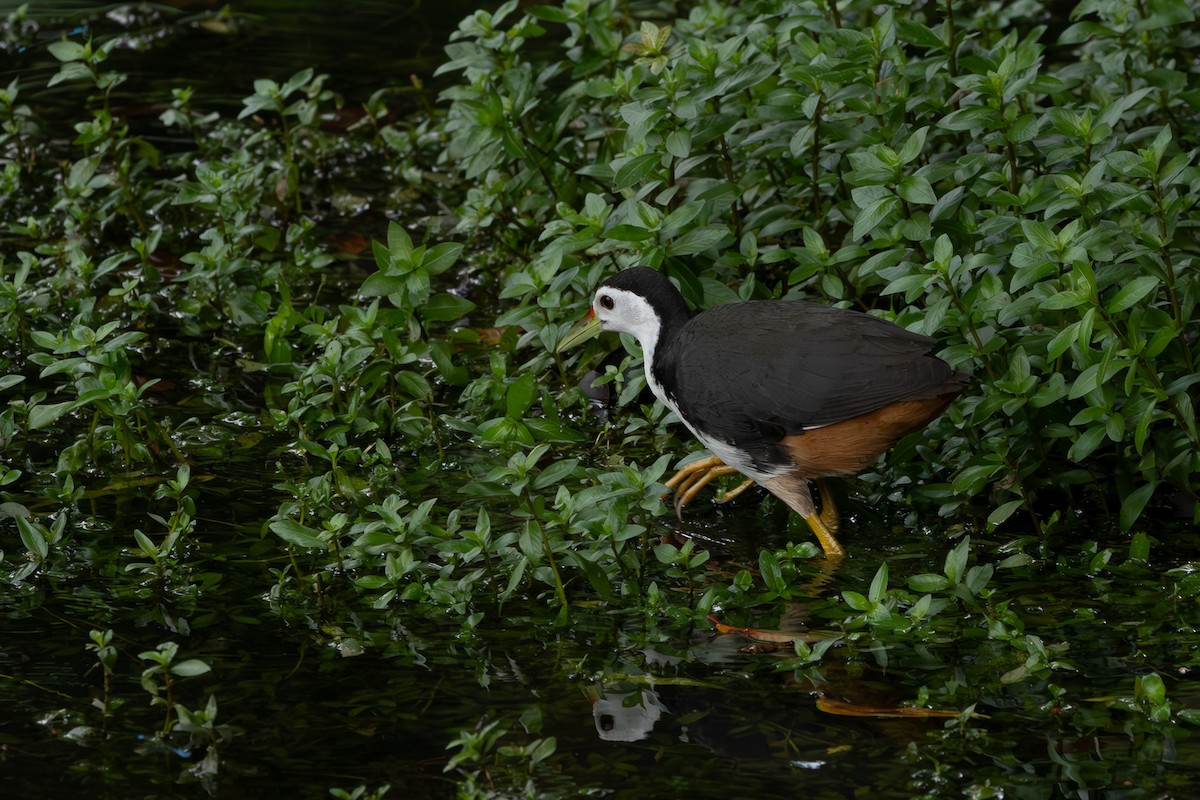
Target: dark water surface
[
  {"x": 639, "y": 706},
  {"x": 364, "y": 45}
]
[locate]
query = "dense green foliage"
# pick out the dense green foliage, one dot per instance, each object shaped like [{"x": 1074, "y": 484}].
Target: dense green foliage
[
  {"x": 1027, "y": 197},
  {"x": 1033, "y": 215}
]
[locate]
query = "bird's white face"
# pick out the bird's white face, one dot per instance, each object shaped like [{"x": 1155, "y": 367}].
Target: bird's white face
[{"x": 625, "y": 312}]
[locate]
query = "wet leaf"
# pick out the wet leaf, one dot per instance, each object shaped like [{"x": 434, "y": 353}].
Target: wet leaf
[
  {"x": 190, "y": 668},
  {"x": 294, "y": 533}
]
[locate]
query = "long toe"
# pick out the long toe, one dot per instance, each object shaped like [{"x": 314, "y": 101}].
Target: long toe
[
  {"x": 734, "y": 493},
  {"x": 693, "y": 477},
  {"x": 687, "y": 473}
]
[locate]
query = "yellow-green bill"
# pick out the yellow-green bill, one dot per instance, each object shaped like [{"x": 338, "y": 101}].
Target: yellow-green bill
[{"x": 587, "y": 328}]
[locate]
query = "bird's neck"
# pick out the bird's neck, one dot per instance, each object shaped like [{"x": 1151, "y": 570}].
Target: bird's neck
[{"x": 656, "y": 348}]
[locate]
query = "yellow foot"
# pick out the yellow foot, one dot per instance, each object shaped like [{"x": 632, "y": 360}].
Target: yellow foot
[
  {"x": 693, "y": 477},
  {"x": 689, "y": 480},
  {"x": 793, "y": 489}
]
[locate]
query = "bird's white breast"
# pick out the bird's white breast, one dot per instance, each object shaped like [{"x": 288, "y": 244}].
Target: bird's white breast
[{"x": 722, "y": 450}]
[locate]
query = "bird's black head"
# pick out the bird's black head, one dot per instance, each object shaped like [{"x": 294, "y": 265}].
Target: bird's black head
[{"x": 652, "y": 286}]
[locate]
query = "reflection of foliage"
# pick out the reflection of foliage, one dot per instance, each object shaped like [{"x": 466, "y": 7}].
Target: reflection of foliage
[{"x": 485, "y": 762}]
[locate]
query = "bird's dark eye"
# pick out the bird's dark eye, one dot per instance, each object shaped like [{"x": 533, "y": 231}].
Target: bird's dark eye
[{"x": 606, "y": 301}]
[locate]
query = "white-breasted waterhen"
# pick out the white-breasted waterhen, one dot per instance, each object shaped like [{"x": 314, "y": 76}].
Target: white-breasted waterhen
[{"x": 780, "y": 391}]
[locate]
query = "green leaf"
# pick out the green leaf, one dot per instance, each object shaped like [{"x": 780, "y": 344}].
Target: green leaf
[
  {"x": 666, "y": 553},
  {"x": 1062, "y": 341},
  {"x": 1084, "y": 30},
  {"x": 920, "y": 609},
  {"x": 636, "y": 170},
  {"x": 45, "y": 340},
  {"x": 1142, "y": 429},
  {"x": 541, "y": 749},
  {"x": 916, "y": 189},
  {"x": 675, "y": 222},
  {"x": 413, "y": 384},
  {"x": 1189, "y": 715},
  {"x": 40, "y": 416},
  {"x": 146, "y": 544},
  {"x": 871, "y": 217},
  {"x": 293, "y": 532},
  {"x": 519, "y": 398},
  {"x": 593, "y": 573},
  {"x": 879, "y": 583},
  {"x": 856, "y": 601},
  {"x": 628, "y": 233},
  {"x": 956, "y": 560},
  {"x": 1087, "y": 443},
  {"x": 517, "y": 576},
  {"x": 679, "y": 143},
  {"x": 399, "y": 243},
  {"x": 1086, "y": 382},
  {"x": 913, "y": 145},
  {"x": 73, "y": 71},
  {"x": 975, "y": 118},
  {"x": 549, "y": 13},
  {"x": 1134, "y": 291},
  {"x": 772, "y": 576},
  {"x": 1134, "y": 503},
  {"x": 296, "y": 81},
  {"x": 1063, "y": 300},
  {"x": 1016, "y": 560},
  {"x": 1039, "y": 233},
  {"x": 442, "y": 257},
  {"x": 382, "y": 284},
  {"x": 33, "y": 538},
  {"x": 1003, "y": 512},
  {"x": 1139, "y": 546},
  {"x": 697, "y": 240},
  {"x": 445, "y": 307},
  {"x": 1166, "y": 14},
  {"x": 978, "y": 577},
  {"x": 555, "y": 473},
  {"x": 190, "y": 668},
  {"x": 946, "y": 203},
  {"x": 943, "y": 250},
  {"x": 67, "y": 50},
  {"x": 82, "y": 172}
]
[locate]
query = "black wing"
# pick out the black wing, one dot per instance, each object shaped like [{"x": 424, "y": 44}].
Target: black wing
[{"x": 756, "y": 372}]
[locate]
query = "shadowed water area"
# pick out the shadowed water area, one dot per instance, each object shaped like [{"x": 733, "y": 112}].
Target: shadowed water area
[{"x": 314, "y": 687}]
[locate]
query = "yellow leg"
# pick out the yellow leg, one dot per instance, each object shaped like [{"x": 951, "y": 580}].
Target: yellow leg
[
  {"x": 829, "y": 543},
  {"x": 689, "y": 480},
  {"x": 829, "y": 512},
  {"x": 793, "y": 490}
]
